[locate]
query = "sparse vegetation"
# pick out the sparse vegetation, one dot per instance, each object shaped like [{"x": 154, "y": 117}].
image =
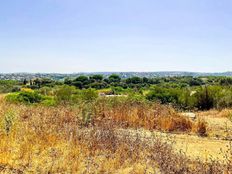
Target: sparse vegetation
[
  {"x": 72, "y": 129},
  {"x": 52, "y": 140}
]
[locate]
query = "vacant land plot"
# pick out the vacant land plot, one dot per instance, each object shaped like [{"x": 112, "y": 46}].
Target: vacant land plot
[{"x": 123, "y": 137}]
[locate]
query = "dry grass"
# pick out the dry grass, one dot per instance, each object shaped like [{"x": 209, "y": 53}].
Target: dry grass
[
  {"x": 36, "y": 139},
  {"x": 215, "y": 113},
  {"x": 219, "y": 123},
  {"x": 117, "y": 112},
  {"x": 152, "y": 116},
  {"x": 48, "y": 140},
  {"x": 52, "y": 154},
  {"x": 98, "y": 151}
]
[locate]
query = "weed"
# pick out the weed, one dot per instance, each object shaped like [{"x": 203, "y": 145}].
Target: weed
[{"x": 9, "y": 119}]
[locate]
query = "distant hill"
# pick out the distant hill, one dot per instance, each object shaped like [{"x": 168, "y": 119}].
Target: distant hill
[{"x": 60, "y": 76}]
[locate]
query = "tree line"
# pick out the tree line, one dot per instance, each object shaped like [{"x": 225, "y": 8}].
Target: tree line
[{"x": 186, "y": 92}]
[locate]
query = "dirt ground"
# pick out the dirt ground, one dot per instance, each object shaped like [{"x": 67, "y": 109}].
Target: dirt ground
[{"x": 217, "y": 145}]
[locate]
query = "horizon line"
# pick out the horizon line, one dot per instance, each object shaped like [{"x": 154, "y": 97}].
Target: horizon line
[{"x": 90, "y": 72}]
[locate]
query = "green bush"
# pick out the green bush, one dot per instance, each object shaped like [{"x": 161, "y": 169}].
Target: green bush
[
  {"x": 164, "y": 95},
  {"x": 25, "y": 97},
  {"x": 9, "y": 86},
  {"x": 187, "y": 99},
  {"x": 205, "y": 99},
  {"x": 89, "y": 95},
  {"x": 117, "y": 90},
  {"x": 12, "y": 98},
  {"x": 135, "y": 98},
  {"x": 49, "y": 101},
  {"x": 64, "y": 94},
  {"x": 45, "y": 90},
  {"x": 30, "y": 97}
]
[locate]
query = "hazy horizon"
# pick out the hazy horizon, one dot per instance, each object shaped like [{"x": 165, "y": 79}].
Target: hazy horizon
[
  {"x": 56, "y": 36},
  {"x": 92, "y": 72}
]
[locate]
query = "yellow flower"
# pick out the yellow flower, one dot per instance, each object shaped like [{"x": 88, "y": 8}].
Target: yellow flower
[{"x": 27, "y": 90}]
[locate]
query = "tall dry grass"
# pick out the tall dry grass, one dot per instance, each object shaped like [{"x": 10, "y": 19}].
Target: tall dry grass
[
  {"x": 38, "y": 139},
  {"x": 148, "y": 115},
  {"x": 95, "y": 150}
]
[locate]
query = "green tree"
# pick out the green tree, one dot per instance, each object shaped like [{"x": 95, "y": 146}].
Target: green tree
[
  {"x": 114, "y": 78},
  {"x": 81, "y": 82},
  {"x": 97, "y": 77},
  {"x": 204, "y": 99}
]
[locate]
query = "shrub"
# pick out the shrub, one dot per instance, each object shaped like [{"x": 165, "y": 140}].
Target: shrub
[
  {"x": 30, "y": 97},
  {"x": 106, "y": 91},
  {"x": 117, "y": 90},
  {"x": 163, "y": 95},
  {"x": 8, "y": 121},
  {"x": 64, "y": 94},
  {"x": 27, "y": 90},
  {"x": 7, "y": 86},
  {"x": 187, "y": 99},
  {"x": 89, "y": 95},
  {"x": 174, "y": 123},
  {"x": 204, "y": 99},
  {"x": 87, "y": 114},
  {"x": 201, "y": 128},
  {"x": 25, "y": 97},
  {"x": 49, "y": 101},
  {"x": 12, "y": 98},
  {"x": 16, "y": 89},
  {"x": 46, "y": 90},
  {"x": 136, "y": 98}
]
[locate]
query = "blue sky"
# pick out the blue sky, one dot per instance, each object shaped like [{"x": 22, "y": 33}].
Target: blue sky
[{"x": 115, "y": 35}]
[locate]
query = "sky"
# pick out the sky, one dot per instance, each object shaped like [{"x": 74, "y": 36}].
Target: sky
[{"x": 67, "y": 36}]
